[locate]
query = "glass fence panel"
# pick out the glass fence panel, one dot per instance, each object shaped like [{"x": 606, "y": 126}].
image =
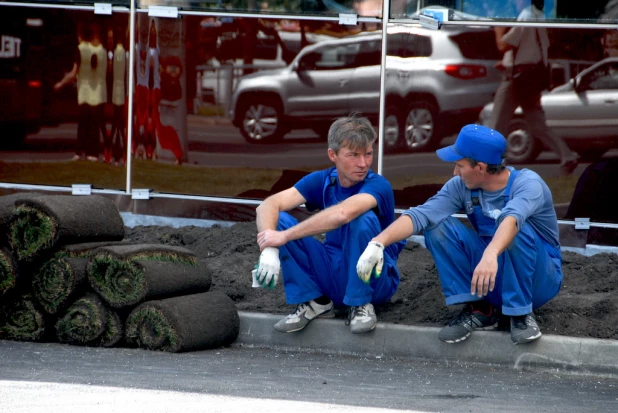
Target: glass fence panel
[
  {"x": 440, "y": 80},
  {"x": 76, "y": 3},
  {"x": 594, "y": 11},
  {"x": 237, "y": 106},
  {"x": 62, "y": 93}
]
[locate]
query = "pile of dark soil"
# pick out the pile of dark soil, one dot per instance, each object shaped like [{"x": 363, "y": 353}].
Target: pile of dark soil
[{"x": 587, "y": 305}]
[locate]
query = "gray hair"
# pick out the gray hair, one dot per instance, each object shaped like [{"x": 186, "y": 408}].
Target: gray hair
[
  {"x": 353, "y": 131},
  {"x": 491, "y": 169}
]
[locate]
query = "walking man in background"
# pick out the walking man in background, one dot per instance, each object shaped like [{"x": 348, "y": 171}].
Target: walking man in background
[{"x": 526, "y": 57}]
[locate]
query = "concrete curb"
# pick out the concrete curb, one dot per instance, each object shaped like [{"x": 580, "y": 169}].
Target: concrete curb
[{"x": 557, "y": 353}]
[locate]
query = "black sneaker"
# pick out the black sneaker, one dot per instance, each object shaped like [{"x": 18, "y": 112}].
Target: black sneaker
[
  {"x": 466, "y": 322},
  {"x": 524, "y": 329}
]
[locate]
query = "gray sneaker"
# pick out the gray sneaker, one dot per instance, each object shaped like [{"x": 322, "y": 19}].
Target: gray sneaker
[
  {"x": 466, "y": 322},
  {"x": 362, "y": 318},
  {"x": 524, "y": 329},
  {"x": 303, "y": 314}
]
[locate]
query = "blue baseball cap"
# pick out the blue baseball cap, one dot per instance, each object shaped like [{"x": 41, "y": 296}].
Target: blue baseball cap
[{"x": 476, "y": 142}]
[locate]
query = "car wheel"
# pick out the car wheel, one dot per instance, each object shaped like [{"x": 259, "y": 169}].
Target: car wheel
[
  {"x": 261, "y": 121},
  {"x": 521, "y": 146},
  {"x": 420, "y": 130},
  {"x": 393, "y": 130}
]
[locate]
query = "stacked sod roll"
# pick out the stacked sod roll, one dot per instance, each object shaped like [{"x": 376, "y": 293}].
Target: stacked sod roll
[{"x": 66, "y": 275}]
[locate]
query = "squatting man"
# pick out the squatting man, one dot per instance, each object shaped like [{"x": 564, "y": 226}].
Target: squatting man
[
  {"x": 355, "y": 205},
  {"x": 509, "y": 263}
]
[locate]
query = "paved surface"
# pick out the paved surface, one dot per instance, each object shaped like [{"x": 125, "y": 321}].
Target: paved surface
[{"x": 61, "y": 378}]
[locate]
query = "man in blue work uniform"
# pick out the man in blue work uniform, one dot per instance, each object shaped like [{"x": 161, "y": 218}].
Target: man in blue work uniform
[
  {"x": 355, "y": 205},
  {"x": 510, "y": 262}
]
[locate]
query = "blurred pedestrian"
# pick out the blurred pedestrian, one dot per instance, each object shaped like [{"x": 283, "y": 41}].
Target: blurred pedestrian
[
  {"x": 526, "y": 76},
  {"x": 89, "y": 70}
]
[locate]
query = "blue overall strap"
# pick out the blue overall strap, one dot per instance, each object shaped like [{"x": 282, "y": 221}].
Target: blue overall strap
[
  {"x": 474, "y": 209},
  {"x": 330, "y": 181},
  {"x": 507, "y": 192}
]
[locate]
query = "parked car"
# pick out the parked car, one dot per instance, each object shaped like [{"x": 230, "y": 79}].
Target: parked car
[
  {"x": 584, "y": 112},
  {"x": 436, "y": 82}
]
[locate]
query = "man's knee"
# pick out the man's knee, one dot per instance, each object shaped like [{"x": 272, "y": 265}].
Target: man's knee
[
  {"x": 441, "y": 233},
  {"x": 365, "y": 223}
]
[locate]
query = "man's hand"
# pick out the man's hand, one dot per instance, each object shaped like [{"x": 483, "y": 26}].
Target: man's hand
[
  {"x": 268, "y": 268},
  {"x": 372, "y": 257},
  {"x": 271, "y": 238},
  {"x": 484, "y": 277}
]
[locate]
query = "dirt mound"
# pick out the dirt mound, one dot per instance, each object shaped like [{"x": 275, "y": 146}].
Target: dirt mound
[{"x": 587, "y": 305}]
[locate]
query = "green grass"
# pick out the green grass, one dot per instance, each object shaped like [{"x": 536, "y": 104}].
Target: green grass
[
  {"x": 82, "y": 322},
  {"x": 158, "y": 176},
  {"x": 194, "y": 179},
  {"x": 31, "y": 232},
  {"x": 149, "y": 327},
  {"x": 119, "y": 282},
  {"x": 51, "y": 284},
  {"x": 21, "y": 321},
  {"x": 165, "y": 257}
]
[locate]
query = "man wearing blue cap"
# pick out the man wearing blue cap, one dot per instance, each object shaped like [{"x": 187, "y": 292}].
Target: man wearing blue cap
[{"x": 509, "y": 263}]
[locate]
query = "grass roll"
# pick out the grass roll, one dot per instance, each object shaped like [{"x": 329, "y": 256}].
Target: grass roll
[
  {"x": 7, "y": 206},
  {"x": 127, "y": 275},
  {"x": 187, "y": 323},
  {"x": 86, "y": 249},
  {"x": 21, "y": 320},
  {"x": 9, "y": 271},
  {"x": 113, "y": 333},
  {"x": 88, "y": 321},
  {"x": 47, "y": 222},
  {"x": 58, "y": 282}
]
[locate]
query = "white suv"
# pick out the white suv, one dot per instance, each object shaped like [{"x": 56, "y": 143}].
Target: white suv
[{"x": 436, "y": 82}]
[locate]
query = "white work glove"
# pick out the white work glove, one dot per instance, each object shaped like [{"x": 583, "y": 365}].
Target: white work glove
[
  {"x": 268, "y": 268},
  {"x": 372, "y": 257}
]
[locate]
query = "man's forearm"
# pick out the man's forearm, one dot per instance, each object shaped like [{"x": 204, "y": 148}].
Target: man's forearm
[
  {"x": 320, "y": 223},
  {"x": 267, "y": 216},
  {"x": 399, "y": 230},
  {"x": 499, "y": 32},
  {"x": 506, "y": 232}
]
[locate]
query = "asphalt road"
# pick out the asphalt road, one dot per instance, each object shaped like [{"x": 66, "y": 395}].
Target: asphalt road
[
  {"x": 221, "y": 145},
  {"x": 61, "y": 378}
]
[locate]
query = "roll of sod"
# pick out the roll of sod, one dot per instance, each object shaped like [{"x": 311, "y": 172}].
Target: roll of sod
[
  {"x": 47, "y": 222},
  {"x": 127, "y": 275},
  {"x": 113, "y": 333},
  {"x": 9, "y": 272},
  {"x": 86, "y": 249},
  {"x": 7, "y": 206},
  {"x": 21, "y": 320},
  {"x": 58, "y": 282},
  {"x": 84, "y": 322},
  {"x": 187, "y": 323}
]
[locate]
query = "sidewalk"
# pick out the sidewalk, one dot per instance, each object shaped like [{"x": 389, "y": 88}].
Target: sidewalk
[{"x": 562, "y": 354}]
